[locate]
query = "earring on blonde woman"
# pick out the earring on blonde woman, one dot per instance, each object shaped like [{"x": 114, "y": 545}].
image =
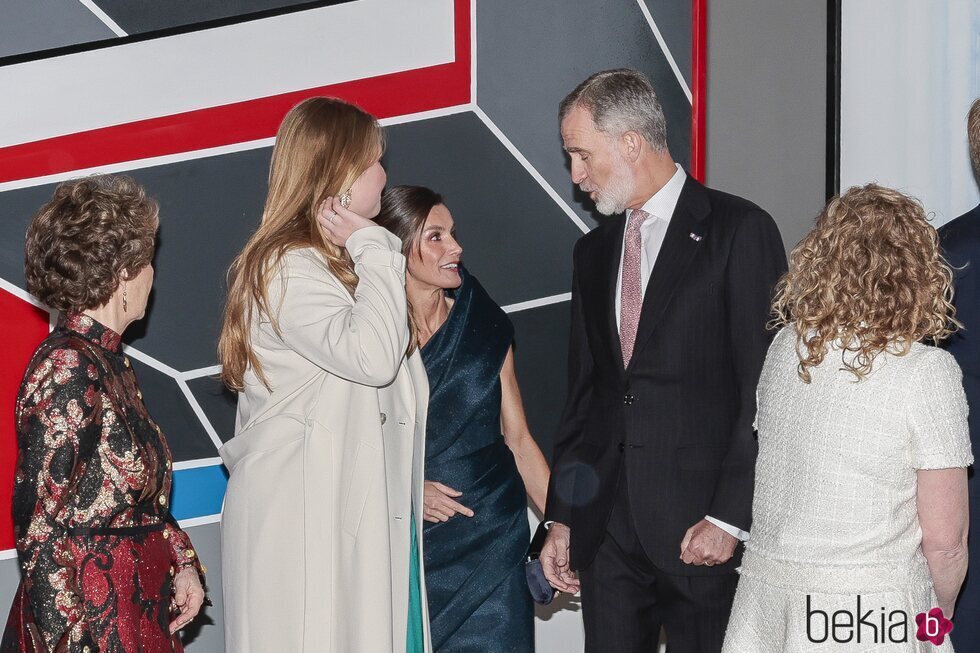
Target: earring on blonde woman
[{"x": 345, "y": 199}]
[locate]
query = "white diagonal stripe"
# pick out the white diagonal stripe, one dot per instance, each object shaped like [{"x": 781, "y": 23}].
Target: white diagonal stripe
[
  {"x": 530, "y": 169},
  {"x": 535, "y": 303},
  {"x": 104, "y": 17},
  {"x": 666, "y": 50},
  {"x": 196, "y": 407},
  {"x": 194, "y": 464}
]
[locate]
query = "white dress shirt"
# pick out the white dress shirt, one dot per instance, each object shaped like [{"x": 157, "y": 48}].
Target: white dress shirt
[{"x": 660, "y": 207}]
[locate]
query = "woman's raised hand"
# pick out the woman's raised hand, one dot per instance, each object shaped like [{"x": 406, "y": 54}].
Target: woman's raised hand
[
  {"x": 337, "y": 222},
  {"x": 439, "y": 504}
]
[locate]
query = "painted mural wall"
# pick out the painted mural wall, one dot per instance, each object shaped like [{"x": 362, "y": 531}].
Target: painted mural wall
[{"x": 186, "y": 97}]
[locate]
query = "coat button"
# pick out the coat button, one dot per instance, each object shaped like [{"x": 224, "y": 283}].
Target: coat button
[
  {"x": 622, "y": 447},
  {"x": 384, "y": 418},
  {"x": 628, "y": 400},
  {"x": 126, "y": 361}
]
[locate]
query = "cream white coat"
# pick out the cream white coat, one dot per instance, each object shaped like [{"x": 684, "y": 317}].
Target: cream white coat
[{"x": 325, "y": 467}]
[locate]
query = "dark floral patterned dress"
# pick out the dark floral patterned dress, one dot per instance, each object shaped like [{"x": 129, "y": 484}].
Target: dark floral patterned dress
[{"x": 95, "y": 538}]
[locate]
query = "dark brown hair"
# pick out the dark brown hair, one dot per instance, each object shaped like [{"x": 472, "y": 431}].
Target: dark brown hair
[
  {"x": 404, "y": 212},
  {"x": 81, "y": 241}
]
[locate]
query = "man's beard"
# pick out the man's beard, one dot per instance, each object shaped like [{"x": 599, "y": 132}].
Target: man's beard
[{"x": 616, "y": 195}]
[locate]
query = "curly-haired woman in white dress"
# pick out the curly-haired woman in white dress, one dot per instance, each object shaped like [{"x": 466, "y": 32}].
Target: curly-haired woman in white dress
[{"x": 860, "y": 509}]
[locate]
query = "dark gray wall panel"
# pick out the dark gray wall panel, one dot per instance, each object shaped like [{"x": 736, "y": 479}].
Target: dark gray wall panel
[
  {"x": 218, "y": 403},
  {"x": 34, "y": 25},
  {"x": 540, "y": 356},
  {"x": 167, "y": 405},
  {"x": 208, "y": 208},
  {"x": 515, "y": 239},
  {"x": 674, "y": 18},
  {"x": 531, "y": 54}
]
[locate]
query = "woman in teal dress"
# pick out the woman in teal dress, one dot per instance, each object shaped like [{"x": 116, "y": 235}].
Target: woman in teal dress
[{"x": 481, "y": 463}]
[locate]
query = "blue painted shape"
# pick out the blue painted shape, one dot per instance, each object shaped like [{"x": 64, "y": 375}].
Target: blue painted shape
[{"x": 198, "y": 492}]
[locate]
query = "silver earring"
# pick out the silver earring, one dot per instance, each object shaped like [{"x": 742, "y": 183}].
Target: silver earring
[{"x": 345, "y": 199}]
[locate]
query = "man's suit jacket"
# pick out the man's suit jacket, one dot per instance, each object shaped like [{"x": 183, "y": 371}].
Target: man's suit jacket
[
  {"x": 961, "y": 244},
  {"x": 678, "y": 420}
]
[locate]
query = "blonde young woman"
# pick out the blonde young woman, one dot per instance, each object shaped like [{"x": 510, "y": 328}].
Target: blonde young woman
[
  {"x": 320, "y": 541},
  {"x": 860, "y": 508}
]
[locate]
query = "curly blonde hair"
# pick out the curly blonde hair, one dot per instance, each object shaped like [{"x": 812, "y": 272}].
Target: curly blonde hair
[{"x": 871, "y": 276}]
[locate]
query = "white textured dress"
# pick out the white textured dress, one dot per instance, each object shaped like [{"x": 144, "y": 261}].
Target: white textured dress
[{"x": 834, "y": 509}]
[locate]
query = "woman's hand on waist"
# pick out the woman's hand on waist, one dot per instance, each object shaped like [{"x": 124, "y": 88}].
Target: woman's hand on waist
[{"x": 439, "y": 503}]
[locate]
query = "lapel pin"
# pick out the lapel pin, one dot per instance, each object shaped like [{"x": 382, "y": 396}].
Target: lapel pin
[{"x": 696, "y": 238}]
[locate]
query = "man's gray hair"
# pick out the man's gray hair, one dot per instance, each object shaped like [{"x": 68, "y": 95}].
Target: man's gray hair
[{"x": 620, "y": 100}]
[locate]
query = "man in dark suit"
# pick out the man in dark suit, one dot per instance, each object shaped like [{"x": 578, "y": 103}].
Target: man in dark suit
[
  {"x": 961, "y": 243},
  {"x": 654, "y": 459}
]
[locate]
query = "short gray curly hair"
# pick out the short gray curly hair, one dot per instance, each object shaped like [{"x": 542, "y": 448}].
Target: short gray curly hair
[{"x": 620, "y": 100}]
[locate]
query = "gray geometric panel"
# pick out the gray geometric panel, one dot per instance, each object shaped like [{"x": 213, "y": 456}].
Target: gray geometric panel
[
  {"x": 205, "y": 633},
  {"x": 9, "y": 580},
  {"x": 541, "y": 360},
  {"x": 208, "y": 209},
  {"x": 167, "y": 405},
  {"x": 675, "y": 20},
  {"x": 218, "y": 403},
  {"x": 514, "y": 237},
  {"x": 532, "y": 54},
  {"x": 137, "y": 16},
  {"x": 34, "y": 25}
]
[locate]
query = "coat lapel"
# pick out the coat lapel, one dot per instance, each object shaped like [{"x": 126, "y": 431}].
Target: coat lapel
[
  {"x": 685, "y": 234},
  {"x": 613, "y": 253}
]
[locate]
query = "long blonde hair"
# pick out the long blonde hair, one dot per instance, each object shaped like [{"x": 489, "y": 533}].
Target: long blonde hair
[
  {"x": 322, "y": 146},
  {"x": 869, "y": 275}
]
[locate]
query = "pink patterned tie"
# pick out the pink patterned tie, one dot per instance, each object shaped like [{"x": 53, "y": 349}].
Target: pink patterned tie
[{"x": 631, "y": 296}]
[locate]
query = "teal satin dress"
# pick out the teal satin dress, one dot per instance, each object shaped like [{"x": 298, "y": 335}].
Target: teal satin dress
[{"x": 416, "y": 629}]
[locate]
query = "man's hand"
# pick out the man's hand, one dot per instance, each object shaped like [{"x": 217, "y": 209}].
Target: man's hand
[
  {"x": 706, "y": 544},
  {"x": 555, "y": 559}
]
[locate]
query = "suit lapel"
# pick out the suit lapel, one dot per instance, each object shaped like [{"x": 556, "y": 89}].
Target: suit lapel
[
  {"x": 685, "y": 234},
  {"x": 613, "y": 252}
]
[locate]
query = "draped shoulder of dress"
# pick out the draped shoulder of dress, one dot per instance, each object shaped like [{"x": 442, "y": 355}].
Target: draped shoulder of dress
[{"x": 477, "y": 593}]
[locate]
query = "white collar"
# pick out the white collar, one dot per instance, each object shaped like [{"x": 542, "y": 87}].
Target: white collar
[{"x": 661, "y": 206}]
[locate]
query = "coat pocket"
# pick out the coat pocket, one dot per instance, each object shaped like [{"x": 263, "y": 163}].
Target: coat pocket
[{"x": 367, "y": 458}]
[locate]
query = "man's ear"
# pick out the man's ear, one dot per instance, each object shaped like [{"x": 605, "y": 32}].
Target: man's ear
[{"x": 631, "y": 144}]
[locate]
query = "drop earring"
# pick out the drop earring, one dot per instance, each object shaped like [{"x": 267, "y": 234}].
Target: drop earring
[
  {"x": 125, "y": 303},
  {"x": 345, "y": 199}
]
